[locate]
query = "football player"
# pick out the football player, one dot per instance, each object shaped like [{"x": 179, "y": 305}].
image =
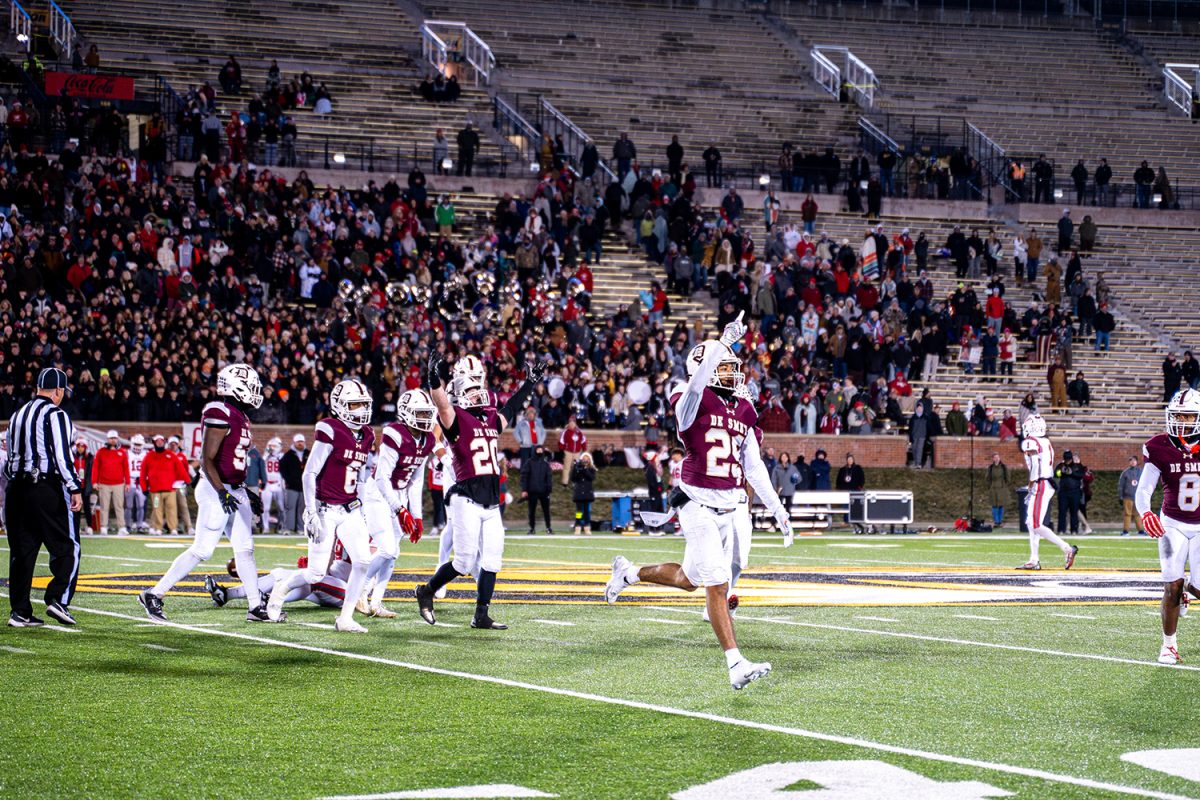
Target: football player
[
  {"x": 223, "y": 506},
  {"x": 135, "y": 498},
  {"x": 272, "y": 495},
  {"x": 392, "y": 497},
  {"x": 329, "y": 593},
  {"x": 472, "y": 425},
  {"x": 1173, "y": 459},
  {"x": 1039, "y": 459},
  {"x": 332, "y": 506},
  {"x": 717, "y": 431}
]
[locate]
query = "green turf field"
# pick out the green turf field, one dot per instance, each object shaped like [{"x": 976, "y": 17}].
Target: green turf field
[{"x": 925, "y": 661}]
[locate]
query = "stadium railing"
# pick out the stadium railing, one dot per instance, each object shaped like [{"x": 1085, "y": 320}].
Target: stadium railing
[
  {"x": 1176, "y": 89},
  {"x": 62, "y": 31},
  {"x": 464, "y": 46},
  {"x": 20, "y": 25},
  {"x": 854, "y": 76},
  {"x": 553, "y": 122}
]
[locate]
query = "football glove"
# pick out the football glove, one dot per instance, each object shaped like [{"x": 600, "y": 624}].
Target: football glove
[
  {"x": 229, "y": 503},
  {"x": 1153, "y": 525},
  {"x": 783, "y": 519},
  {"x": 437, "y": 372},
  {"x": 535, "y": 368},
  {"x": 408, "y": 524},
  {"x": 256, "y": 504},
  {"x": 312, "y": 525},
  {"x": 734, "y": 332}
]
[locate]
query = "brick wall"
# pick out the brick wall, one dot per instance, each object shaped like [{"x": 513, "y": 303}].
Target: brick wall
[{"x": 1099, "y": 454}]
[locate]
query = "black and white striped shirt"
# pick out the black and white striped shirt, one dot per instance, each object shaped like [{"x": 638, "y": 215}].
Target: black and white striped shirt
[{"x": 39, "y": 441}]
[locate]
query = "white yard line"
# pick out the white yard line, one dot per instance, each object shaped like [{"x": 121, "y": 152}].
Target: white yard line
[
  {"x": 555, "y": 622},
  {"x": 58, "y": 629},
  {"x": 161, "y": 648},
  {"x": 947, "y": 640},
  {"x": 15, "y": 650},
  {"x": 322, "y": 625},
  {"x": 662, "y": 621},
  {"x": 879, "y": 619},
  {"x": 977, "y": 616},
  {"x": 1072, "y": 616},
  {"x": 851, "y": 741}
]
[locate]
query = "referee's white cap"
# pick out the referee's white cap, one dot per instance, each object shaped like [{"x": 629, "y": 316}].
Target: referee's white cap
[{"x": 53, "y": 378}]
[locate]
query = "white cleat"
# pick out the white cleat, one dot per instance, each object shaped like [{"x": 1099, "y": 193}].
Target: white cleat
[
  {"x": 440, "y": 594},
  {"x": 744, "y": 672},
  {"x": 1169, "y": 655},
  {"x": 363, "y": 606},
  {"x": 275, "y": 603},
  {"x": 617, "y": 583},
  {"x": 122, "y": 531},
  {"x": 348, "y": 626},
  {"x": 381, "y": 611}
]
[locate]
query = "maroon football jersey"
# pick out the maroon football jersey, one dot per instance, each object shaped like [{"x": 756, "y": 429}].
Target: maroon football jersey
[
  {"x": 337, "y": 482},
  {"x": 411, "y": 452},
  {"x": 712, "y": 445},
  {"x": 1180, "y": 478},
  {"x": 231, "y": 457},
  {"x": 475, "y": 449}
]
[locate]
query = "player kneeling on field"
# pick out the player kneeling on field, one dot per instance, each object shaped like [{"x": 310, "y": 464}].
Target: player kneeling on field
[{"x": 1173, "y": 459}]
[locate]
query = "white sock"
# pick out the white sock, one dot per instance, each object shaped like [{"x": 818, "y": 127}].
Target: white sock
[
  {"x": 631, "y": 575},
  {"x": 732, "y": 656},
  {"x": 248, "y": 575},
  {"x": 381, "y": 580},
  {"x": 354, "y": 587},
  {"x": 1056, "y": 540},
  {"x": 1034, "y": 539},
  {"x": 183, "y": 564},
  {"x": 445, "y": 544},
  {"x": 1168, "y": 641}
]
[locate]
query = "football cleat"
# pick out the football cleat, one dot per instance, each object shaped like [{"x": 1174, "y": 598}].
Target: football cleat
[
  {"x": 617, "y": 583},
  {"x": 259, "y": 614},
  {"x": 482, "y": 621},
  {"x": 744, "y": 672},
  {"x": 348, "y": 626},
  {"x": 153, "y": 605},
  {"x": 275, "y": 603},
  {"x": 215, "y": 590},
  {"x": 1031, "y": 565},
  {"x": 1169, "y": 655},
  {"x": 733, "y": 604},
  {"x": 1184, "y": 601},
  {"x": 1071, "y": 556},
  {"x": 425, "y": 603},
  {"x": 363, "y": 606},
  {"x": 382, "y": 612}
]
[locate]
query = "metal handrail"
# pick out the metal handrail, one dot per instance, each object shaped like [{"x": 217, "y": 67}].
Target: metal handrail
[
  {"x": 515, "y": 129},
  {"x": 1176, "y": 89},
  {"x": 475, "y": 51},
  {"x": 827, "y": 74},
  {"x": 62, "y": 30},
  {"x": 20, "y": 24},
  {"x": 860, "y": 78},
  {"x": 554, "y": 122}
]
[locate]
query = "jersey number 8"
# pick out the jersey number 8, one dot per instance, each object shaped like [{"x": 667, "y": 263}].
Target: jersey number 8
[{"x": 1189, "y": 493}]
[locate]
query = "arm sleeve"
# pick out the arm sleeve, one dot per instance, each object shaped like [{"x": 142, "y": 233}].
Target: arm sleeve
[
  {"x": 756, "y": 474},
  {"x": 688, "y": 403},
  {"x": 61, "y": 452},
  {"x": 383, "y": 475},
  {"x": 312, "y": 468},
  {"x": 514, "y": 404},
  {"x": 1147, "y": 483},
  {"x": 416, "y": 489}
]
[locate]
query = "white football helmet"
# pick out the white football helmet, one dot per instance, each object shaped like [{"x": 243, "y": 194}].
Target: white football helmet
[
  {"x": 351, "y": 403},
  {"x": 137, "y": 441},
  {"x": 728, "y": 374},
  {"x": 1183, "y": 416},
  {"x": 240, "y": 381},
  {"x": 416, "y": 410},
  {"x": 468, "y": 383},
  {"x": 274, "y": 445},
  {"x": 1034, "y": 427}
]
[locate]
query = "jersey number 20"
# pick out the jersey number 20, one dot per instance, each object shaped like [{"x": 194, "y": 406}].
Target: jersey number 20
[{"x": 484, "y": 457}]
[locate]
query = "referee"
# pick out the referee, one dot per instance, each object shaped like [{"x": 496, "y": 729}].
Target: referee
[{"x": 43, "y": 493}]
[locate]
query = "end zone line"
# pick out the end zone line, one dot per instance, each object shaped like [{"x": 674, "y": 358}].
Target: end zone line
[
  {"x": 849, "y": 741},
  {"x": 947, "y": 640}
]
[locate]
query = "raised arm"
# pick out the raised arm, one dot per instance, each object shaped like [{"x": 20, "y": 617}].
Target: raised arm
[
  {"x": 689, "y": 402},
  {"x": 438, "y": 375},
  {"x": 534, "y": 370}
]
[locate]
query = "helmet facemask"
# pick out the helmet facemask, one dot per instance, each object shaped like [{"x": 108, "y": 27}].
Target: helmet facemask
[
  {"x": 1184, "y": 425},
  {"x": 728, "y": 375}
]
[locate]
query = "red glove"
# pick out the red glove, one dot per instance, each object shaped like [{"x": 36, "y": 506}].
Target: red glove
[
  {"x": 408, "y": 524},
  {"x": 1152, "y": 524},
  {"x": 420, "y": 531}
]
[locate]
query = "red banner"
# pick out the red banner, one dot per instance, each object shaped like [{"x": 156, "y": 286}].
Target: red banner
[{"x": 106, "y": 87}]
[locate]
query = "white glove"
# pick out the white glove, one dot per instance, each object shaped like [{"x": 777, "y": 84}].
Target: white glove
[
  {"x": 783, "y": 519},
  {"x": 312, "y": 525},
  {"x": 734, "y": 331}
]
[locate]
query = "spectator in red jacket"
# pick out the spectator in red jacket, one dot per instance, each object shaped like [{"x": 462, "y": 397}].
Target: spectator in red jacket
[
  {"x": 183, "y": 479},
  {"x": 160, "y": 473},
  {"x": 571, "y": 442},
  {"x": 995, "y": 311},
  {"x": 775, "y": 419},
  {"x": 110, "y": 476}
]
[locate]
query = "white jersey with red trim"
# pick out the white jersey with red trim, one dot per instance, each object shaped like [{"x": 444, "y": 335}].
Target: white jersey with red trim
[{"x": 1039, "y": 457}]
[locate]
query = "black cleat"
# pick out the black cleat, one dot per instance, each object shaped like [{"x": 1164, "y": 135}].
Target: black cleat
[
  {"x": 485, "y": 622},
  {"x": 153, "y": 605},
  {"x": 16, "y": 620},
  {"x": 59, "y": 612},
  {"x": 425, "y": 603},
  {"x": 259, "y": 614},
  {"x": 219, "y": 596}
]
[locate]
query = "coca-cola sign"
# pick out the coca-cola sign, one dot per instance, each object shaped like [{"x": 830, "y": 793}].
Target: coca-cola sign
[{"x": 106, "y": 87}]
